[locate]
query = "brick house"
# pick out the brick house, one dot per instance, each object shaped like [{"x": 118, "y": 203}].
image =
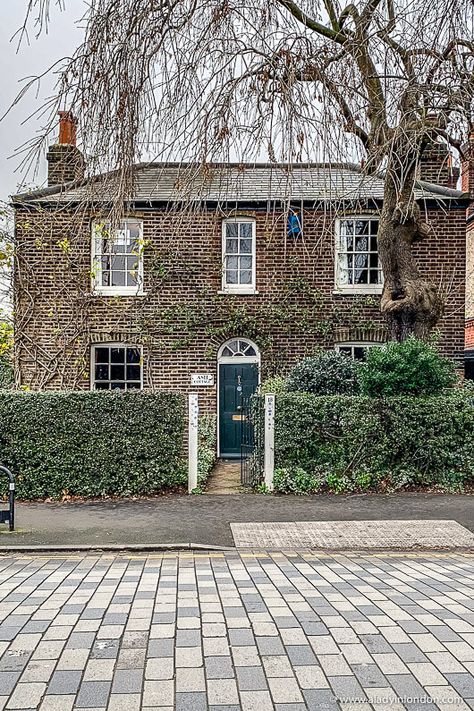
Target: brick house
[{"x": 213, "y": 279}]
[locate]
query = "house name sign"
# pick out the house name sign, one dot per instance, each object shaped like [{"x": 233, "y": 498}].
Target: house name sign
[{"x": 202, "y": 379}]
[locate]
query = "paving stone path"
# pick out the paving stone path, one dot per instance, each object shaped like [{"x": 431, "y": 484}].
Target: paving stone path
[{"x": 250, "y": 631}]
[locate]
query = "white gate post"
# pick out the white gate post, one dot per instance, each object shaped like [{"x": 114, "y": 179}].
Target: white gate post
[
  {"x": 269, "y": 441},
  {"x": 193, "y": 417}
]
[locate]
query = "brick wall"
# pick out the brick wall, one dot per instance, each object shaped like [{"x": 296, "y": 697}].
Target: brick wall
[{"x": 182, "y": 320}]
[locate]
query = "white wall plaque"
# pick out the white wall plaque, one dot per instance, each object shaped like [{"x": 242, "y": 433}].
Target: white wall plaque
[{"x": 202, "y": 379}]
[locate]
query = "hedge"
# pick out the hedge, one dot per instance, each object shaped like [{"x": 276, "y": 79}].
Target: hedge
[
  {"x": 92, "y": 443},
  {"x": 355, "y": 443}
]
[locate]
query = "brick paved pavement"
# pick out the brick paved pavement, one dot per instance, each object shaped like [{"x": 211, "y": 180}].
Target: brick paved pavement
[{"x": 228, "y": 631}]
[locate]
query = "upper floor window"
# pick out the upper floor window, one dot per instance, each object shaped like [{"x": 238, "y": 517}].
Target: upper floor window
[
  {"x": 238, "y": 255},
  {"x": 116, "y": 367},
  {"x": 117, "y": 258},
  {"x": 358, "y": 268}
]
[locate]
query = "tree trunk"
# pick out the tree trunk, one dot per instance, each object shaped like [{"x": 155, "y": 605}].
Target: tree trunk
[{"x": 411, "y": 303}]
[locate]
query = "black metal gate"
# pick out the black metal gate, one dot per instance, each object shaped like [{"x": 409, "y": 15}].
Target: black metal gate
[{"x": 251, "y": 441}]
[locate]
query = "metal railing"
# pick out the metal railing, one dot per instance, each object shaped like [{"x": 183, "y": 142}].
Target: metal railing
[{"x": 9, "y": 515}]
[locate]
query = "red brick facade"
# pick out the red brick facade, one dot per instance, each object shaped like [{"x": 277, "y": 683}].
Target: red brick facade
[{"x": 182, "y": 319}]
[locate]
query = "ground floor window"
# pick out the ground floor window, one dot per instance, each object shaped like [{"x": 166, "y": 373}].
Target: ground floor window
[
  {"x": 117, "y": 367},
  {"x": 357, "y": 351}
]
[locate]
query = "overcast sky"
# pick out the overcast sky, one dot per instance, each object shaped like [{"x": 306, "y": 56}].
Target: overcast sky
[{"x": 64, "y": 34}]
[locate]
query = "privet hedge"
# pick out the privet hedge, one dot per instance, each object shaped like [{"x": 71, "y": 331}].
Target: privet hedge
[
  {"x": 355, "y": 443},
  {"x": 92, "y": 443}
]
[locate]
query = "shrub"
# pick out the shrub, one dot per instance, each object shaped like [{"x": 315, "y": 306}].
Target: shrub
[
  {"x": 327, "y": 373},
  {"x": 295, "y": 481},
  {"x": 92, "y": 443},
  {"x": 6, "y": 353},
  {"x": 412, "y": 368},
  {"x": 275, "y": 385},
  {"x": 207, "y": 437},
  {"x": 359, "y": 443}
]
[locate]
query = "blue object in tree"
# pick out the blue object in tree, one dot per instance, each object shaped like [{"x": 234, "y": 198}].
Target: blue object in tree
[{"x": 294, "y": 225}]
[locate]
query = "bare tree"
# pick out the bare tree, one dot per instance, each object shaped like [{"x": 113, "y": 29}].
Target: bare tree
[{"x": 377, "y": 80}]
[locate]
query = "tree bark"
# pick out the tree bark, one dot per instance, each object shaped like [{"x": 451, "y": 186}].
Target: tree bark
[{"x": 410, "y": 303}]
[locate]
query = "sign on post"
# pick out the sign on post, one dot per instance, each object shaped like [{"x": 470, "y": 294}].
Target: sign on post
[
  {"x": 269, "y": 441},
  {"x": 193, "y": 418}
]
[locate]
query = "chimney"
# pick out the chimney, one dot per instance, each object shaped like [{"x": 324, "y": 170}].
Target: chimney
[
  {"x": 65, "y": 160},
  {"x": 467, "y": 166},
  {"x": 436, "y": 165}
]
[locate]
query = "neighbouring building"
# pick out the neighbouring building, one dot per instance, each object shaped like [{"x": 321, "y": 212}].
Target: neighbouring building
[
  {"x": 467, "y": 185},
  {"x": 214, "y": 277}
]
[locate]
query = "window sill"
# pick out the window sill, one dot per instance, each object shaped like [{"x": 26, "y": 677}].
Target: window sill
[
  {"x": 354, "y": 291},
  {"x": 231, "y": 292},
  {"x": 117, "y": 292}
]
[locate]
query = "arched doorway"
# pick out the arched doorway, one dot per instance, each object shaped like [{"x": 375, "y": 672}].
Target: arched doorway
[{"x": 238, "y": 363}]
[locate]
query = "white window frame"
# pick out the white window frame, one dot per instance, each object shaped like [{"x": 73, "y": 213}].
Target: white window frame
[
  {"x": 96, "y": 267},
  {"x": 357, "y": 344},
  {"x": 239, "y": 288},
  {"x": 113, "y": 344},
  {"x": 352, "y": 288}
]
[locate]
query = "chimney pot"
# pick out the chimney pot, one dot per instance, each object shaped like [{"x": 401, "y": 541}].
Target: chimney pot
[{"x": 67, "y": 128}]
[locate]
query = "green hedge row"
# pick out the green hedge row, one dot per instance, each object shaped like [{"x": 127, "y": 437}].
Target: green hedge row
[
  {"x": 92, "y": 443},
  {"x": 354, "y": 443}
]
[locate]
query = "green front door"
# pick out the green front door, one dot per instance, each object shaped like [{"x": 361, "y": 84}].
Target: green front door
[{"x": 236, "y": 383}]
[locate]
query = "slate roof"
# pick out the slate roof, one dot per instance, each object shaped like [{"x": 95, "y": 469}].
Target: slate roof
[{"x": 231, "y": 182}]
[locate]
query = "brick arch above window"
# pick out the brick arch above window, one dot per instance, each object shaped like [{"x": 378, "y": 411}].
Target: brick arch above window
[{"x": 355, "y": 334}]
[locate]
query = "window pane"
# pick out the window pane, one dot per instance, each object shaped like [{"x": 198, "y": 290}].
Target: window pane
[
  {"x": 102, "y": 386},
  {"x": 245, "y": 229},
  {"x": 347, "y": 350},
  {"x": 373, "y": 243},
  {"x": 105, "y": 279},
  {"x": 374, "y": 261},
  {"x": 347, "y": 243},
  {"x": 105, "y": 263},
  {"x": 232, "y": 229},
  {"x": 232, "y": 246},
  {"x": 102, "y": 372},
  {"x": 245, "y": 246},
  {"x": 361, "y": 243},
  {"x": 374, "y": 276},
  {"x": 117, "y": 372},
  {"x": 117, "y": 278},
  {"x": 117, "y": 355},
  {"x": 374, "y": 226},
  {"x": 245, "y": 262},
  {"x": 231, "y": 276},
  {"x": 118, "y": 263},
  {"x": 132, "y": 279},
  {"x": 133, "y": 372},
  {"x": 133, "y": 386},
  {"x": 232, "y": 262},
  {"x": 362, "y": 227},
  {"x": 132, "y": 263},
  {"x": 347, "y": 227},
  {"x": 133, "y": 355},
  {"x": 133, "y": 235},
  {"x": 101, "y": 355},
  {"x": 117, "y": 386},
  {"x": 245, "y": 276},
  {"x": 345, "y": 276},
  {"x": 359, "y": 353}
]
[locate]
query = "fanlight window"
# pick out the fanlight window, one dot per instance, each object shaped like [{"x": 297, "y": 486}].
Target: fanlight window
[{"x": 238, "y": 348}]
